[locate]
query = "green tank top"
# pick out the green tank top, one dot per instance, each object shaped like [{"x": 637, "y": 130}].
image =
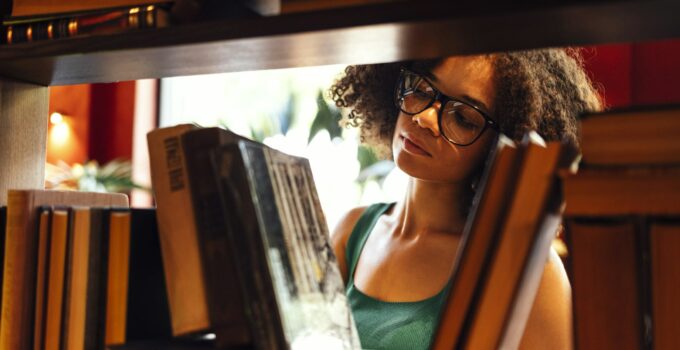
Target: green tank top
[{"x": 383, "y": 324}]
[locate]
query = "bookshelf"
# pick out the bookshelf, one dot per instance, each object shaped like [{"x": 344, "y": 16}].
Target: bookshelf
[
  {"x": 366, "y": 34},
  {"x": 381, "y": 32}
]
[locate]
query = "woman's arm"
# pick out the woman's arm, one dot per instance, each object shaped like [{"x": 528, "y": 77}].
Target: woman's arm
[
  {"x": 341, "y": 234},
  {"x": 550, "y": 321}
]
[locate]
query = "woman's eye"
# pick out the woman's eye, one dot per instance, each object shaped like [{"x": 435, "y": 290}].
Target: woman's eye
[{"x": 463, "y": 121}]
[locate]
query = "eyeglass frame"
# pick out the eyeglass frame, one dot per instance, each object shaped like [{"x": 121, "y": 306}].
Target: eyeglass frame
[{"x": 443, "y": 100}]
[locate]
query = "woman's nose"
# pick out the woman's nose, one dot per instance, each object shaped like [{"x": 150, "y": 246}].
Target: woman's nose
[{"x": 428, "y": 119}]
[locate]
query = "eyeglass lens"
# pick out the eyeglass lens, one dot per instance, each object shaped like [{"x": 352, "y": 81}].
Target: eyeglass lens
[{"x": 459, "y": 122}]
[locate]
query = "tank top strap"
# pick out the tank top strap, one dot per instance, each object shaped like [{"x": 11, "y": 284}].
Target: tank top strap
[{"x": 360, "y": 233}]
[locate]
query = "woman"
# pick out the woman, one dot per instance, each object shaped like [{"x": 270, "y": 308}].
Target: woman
[{"x": 439, "y": 123}]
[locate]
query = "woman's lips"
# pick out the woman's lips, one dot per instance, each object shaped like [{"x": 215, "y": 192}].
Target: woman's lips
[{"x": 412, "y": 147}]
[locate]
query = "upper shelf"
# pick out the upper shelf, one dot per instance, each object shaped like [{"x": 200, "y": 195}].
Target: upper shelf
[{"x": 368, "y": 34}]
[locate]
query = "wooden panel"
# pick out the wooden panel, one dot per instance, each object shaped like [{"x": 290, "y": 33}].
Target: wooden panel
[
  {"x": 23, "y": 136},
  {"x": 367, "y": 34}
]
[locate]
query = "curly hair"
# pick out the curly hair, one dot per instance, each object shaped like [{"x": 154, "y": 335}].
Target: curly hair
[{"x": 543, "y": 90}]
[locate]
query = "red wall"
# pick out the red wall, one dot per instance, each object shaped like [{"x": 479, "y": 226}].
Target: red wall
[
  {"x": 636, "y": 74},
  {"x": 100, "y": 119}
]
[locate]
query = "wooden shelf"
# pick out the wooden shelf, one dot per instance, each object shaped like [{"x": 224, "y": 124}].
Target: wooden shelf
[{"x": 367, "y": 34}]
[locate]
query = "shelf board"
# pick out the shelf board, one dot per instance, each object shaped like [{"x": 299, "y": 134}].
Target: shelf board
[{"x": 385, "y": 32}]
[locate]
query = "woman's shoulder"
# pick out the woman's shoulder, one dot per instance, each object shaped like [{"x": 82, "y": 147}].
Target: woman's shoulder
[
  {"x": 341, "y": 234},
  {"x": 549, "y": 323}
]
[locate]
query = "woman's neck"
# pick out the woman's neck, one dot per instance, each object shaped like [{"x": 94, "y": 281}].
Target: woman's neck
[{"x": 432, "y": 207}]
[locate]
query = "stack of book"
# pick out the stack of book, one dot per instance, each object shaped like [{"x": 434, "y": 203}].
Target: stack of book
[
  {"x": 623, "y": 230},
  {"x": 36, "y": 20},
  {"x": 516, "y": 214},
  {"x": 80, "y": 271},
  {"x": 245, "y": 244}
]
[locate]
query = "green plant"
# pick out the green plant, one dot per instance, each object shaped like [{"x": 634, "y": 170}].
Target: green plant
[{"x": 114, "y": 176}]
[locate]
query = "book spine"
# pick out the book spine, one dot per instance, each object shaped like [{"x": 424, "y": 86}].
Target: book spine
[
  {"x": 247, "y": 246},
  {"x": 18, "y": 285},
  {"x": 41, "y": 277},
  {"x": 104, "y": 23},
  {"x": 270, "y": 235},
  {"x": 147, "y": 315},
  {"x": 664, "y": 238},
  {"x": 97, "y": 276},
  {"x": 118, "y": 278},
  {"x": 605, "y": 265},
  {"x": 220, "y": 269},
  {"x": 179, "y": 239}
]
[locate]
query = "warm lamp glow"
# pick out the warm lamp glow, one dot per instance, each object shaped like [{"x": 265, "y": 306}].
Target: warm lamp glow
[
  {"x": 56, "y": 118},
  {"x": 60, "y": 134}
]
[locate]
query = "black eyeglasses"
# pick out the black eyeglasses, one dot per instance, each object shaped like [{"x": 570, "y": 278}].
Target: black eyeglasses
[{"x": 460, "y": 122}]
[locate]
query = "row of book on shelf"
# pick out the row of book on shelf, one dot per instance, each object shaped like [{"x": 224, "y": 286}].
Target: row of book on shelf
[
  {"x": 237, "y": 254},
  {"x": 37, "y": 20}
]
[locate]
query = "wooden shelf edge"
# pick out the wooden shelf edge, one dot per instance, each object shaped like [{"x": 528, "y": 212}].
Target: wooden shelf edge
[{"x": 375, "y": 33}]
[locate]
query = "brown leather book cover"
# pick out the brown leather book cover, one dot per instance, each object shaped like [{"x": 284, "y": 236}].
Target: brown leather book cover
[
  {"x": 518, "y": 233},
  {"x": 607, "y": 138},
  {"x": 607, "y": 284},
  {"x": 664, "y": 237},
  {"x": 624, "y": 191},
  {"x": 490, "y": 204},
  {"x": 18, "y": 290}
]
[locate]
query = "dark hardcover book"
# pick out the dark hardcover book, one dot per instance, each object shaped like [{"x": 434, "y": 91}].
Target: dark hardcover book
[
  {"x": 148, "y": 315},
  {"x": 608, "y": 277},
  {"x": 634, "y": 136},
  {"x": 294, "y": 291},
  {"x": 664, "y": 239},
  {"x": 227, "y": 318}
]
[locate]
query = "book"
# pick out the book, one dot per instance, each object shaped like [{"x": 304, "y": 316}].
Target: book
[
  {"x": 54, "y": 303},
  {"x": 118, "y": 270},
  {"x": 21, "y": 245},
  {"x": 227, "y": 319},
  {"x": 16, "y": 31},
  {"x": 489, "y": 206},
  {"x": 179, "y": 239},
  {"x": 605, "y": 264},
  {"x": 27, "y": 8},
  {"x": 86, "y": 277},
  {"x": 41, "y": 277},
  {"x": 293, "y": 290},
  {"x": 622, "y": 191},
  {"x": 188, "y": 200},
  {"x": 148, "y": 314},
  {"x": 639, "y": 136},
  {"x": 518, "y": 233},
  {"x": 506, "y": 241},
  {"x": 664, "y": 238}
]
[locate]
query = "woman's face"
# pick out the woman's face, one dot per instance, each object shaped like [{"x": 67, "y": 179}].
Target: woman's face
[{"x": 418, "y": 147}]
